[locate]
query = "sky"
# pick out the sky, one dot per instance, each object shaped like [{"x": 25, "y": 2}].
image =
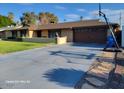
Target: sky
[{"x": 66, "y": 11}]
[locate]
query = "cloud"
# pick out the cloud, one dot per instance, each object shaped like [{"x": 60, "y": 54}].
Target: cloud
[
  {"x": 81, "y": 10},
  {"x": 112, "y": 15},
  {"x": 88, "y": 18},
  {"x": 26, "y": 3},
  {"x": 72, "y": 16},
  {"x": 60, "y": 7},
  {"x": 108, "y": 12}
]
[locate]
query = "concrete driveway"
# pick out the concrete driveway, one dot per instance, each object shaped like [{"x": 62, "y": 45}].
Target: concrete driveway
[{"x": 57, "y": 66}]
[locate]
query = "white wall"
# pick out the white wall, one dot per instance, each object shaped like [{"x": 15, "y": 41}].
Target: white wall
[{"x": 123, "y": 36}]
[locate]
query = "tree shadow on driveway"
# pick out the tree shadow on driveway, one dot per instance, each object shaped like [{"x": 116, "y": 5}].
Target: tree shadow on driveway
[
  {"x": 91, "y": 45},
  {"x": 73, "y": 54},
  {"x": 64, "y": 77}
]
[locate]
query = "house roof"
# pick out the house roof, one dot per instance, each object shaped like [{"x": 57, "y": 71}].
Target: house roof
[
  {"x": 12, "y": 28},
  {"x": 83, "y": 23}
]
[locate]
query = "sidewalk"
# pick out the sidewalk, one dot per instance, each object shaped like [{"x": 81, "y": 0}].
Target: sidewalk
[{"x": 100, "y": 74}]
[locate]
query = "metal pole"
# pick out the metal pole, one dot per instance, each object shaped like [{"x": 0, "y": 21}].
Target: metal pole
[
  {"x": 109, "y": 26},
  {"x": 120, "y": 20}
]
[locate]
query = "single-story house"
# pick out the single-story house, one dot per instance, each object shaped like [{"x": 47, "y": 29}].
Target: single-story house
[
  {"x": 122, "y": 36},
  {"x": 87, "y": 31}
]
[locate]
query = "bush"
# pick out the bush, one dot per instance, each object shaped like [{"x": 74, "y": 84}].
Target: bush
[{"x": 13, "y": 39}]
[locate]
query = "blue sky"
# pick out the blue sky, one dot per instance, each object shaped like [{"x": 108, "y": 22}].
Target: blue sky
[{"x": 70, "y": 12}]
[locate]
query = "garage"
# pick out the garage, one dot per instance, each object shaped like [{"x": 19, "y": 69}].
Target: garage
[{"x": 90, "y": 35}]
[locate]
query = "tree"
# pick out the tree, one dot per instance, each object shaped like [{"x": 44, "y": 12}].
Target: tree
[
  {"x": 5, "y": 21},
  {"x": 46, "y": 17},
  {"x": 17, "y": 23},
  {"x": 11, "y": 16},
  {"x": 28, "y": 18}
]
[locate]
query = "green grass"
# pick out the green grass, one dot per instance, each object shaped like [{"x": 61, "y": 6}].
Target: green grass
[{"x": 12, "y": 46}]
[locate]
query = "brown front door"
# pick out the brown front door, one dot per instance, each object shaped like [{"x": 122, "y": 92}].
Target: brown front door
[{"x": 90, "y": 35}]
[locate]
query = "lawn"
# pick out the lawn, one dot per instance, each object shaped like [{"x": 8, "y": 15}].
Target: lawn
[{"x": 12, "y": 46}]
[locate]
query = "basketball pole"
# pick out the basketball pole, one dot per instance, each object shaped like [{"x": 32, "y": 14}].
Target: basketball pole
[{"x": 109, "y": 26}]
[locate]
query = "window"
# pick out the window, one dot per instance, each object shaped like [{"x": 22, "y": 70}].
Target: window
[
  {"x": 14, "y": 34},
  {"x": 23, "y": 33},
  {"x": 52, "y": 34}
]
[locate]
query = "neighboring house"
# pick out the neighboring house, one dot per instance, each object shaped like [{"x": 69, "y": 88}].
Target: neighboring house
[{"x": 87, "y": 31}]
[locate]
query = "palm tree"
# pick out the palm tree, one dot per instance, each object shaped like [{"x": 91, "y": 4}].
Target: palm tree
[
  {"x": 43, "y": 18},
  {"x": 11, "y": 16},
  {"x": 47, "y": 17},
  {"x": 28, "y": 18}
]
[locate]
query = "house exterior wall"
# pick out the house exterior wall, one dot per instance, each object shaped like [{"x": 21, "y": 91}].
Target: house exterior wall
[
  {"x": 8, "y": 34},
  {"x": 27, "y": 33},
  {"x": 34, "y": 34},
  {"x": 18, "y": 34},
  {"x": 68, "y": 33},
  {"x": 30, "y": 34},
  {"x": 2, "y": 34},
  {"x": 45, "y": 33}
]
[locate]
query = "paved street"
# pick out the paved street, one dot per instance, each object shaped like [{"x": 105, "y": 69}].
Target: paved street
[{"x": 57, "y": 66}]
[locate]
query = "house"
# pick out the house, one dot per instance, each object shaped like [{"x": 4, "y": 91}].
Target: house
[
  {"x": 122, "y": 36},
  {"x": 87, "y": 31}
]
